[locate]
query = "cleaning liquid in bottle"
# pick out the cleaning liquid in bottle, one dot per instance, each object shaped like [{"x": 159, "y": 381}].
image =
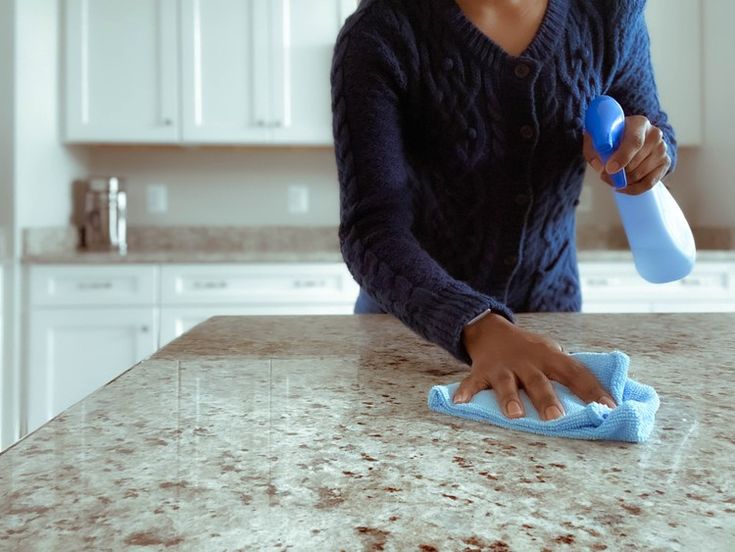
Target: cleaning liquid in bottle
[{"x": 658, "y": 233}]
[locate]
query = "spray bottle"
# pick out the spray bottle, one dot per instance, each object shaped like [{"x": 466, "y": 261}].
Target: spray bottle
[{"x": 658, "y": 234}]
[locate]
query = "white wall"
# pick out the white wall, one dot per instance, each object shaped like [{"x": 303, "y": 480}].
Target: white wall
[
  {"x": 45, "y": 168},
  {"x": 6, "y": 128},
  {"x": 7, "y": 199},
  {"x": 36, "y": 171},
  {"x": 224, "y": 186},
  {"x": 709, "y": 175}
]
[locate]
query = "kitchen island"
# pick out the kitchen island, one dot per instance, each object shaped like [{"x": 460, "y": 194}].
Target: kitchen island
[{"x": 313, "y": 433}]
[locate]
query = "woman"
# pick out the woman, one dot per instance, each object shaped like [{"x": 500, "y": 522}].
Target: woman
[{"x": 459, "y": 138}]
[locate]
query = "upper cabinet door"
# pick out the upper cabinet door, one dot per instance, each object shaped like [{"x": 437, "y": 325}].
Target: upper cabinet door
[
  {"x": 225, "y": 74},
  {"x": 302, "y": 43},
  {"x": 121, "y": 71},
  {"x": 676, "y": 52}
]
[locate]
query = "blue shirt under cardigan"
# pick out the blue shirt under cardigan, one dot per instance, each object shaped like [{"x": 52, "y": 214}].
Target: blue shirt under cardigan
[{"x": 460, "y": 166}]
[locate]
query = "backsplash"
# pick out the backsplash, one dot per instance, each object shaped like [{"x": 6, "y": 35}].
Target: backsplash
[{"x": 220, "y": 186}]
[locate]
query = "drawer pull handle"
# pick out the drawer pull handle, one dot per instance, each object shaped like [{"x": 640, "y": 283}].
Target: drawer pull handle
[
  {"x": 597, "y": 281},
  {"x": 210, "y": 285},
  {"x": 309, "y": 283},
  {"x": 94, "y": 285}
]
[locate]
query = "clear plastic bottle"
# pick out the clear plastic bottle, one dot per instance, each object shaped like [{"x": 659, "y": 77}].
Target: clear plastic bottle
[{"x": 658, "y": 233}]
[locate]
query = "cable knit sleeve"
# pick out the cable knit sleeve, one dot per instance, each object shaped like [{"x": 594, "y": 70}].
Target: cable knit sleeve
[
  {"x": 633, "y": 85},
  {"x": 368, "y": 83}
]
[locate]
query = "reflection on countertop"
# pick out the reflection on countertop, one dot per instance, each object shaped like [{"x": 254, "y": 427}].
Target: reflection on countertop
[
  {"x": 313, "y": 433},
  {"x": 264, "y": 244}
]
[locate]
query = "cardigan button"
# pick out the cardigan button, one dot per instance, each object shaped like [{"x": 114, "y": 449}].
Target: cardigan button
[
  {"x": 522, "y": 70},
  {"x": 471, "y": 133},
  {"x": 448, "y": 64},
  {"x": 526, "y": 132}
]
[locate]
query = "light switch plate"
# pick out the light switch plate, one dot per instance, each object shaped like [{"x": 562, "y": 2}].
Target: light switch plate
[
  {"x": 298, "y": 199},
  {"x": 157, "y": 199}
]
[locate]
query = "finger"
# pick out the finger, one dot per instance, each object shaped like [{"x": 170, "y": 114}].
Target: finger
[
  {"x": 576, "y": 376},
  {"x": 590, "y": 155},
  {"x": 539, "y": 390},
  {"x": 646, "y": 160},
  {"x": 469, "y": 387},
  {"x": 647, "y": 166},
  {"x": 505, "y": 386},
  {"x": 648, "y": 182},
  {"x": 606, "y": 179},
  {"x": 634, "y": 137},
  {"x": 654, "y": 144}
]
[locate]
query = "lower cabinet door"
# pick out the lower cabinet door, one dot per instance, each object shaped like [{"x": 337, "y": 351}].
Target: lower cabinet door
[{"x": 73, "y": 352}]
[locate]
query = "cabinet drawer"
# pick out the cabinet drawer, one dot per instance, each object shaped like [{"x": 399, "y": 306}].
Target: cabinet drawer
[
  {"x": 273, "y": 283},
  {"x": 100, "y": 285},
  {"x": 706, "y": 281}
]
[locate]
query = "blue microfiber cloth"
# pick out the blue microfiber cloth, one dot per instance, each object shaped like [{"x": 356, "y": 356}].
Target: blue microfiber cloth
[{"x": 632, "y": 420}]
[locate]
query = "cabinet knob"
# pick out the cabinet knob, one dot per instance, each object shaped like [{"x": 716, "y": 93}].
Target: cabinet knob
[
  {"x": 259, "y": 122},
  {"x": 167, "y": 122},
  {"x": 144, "y": 329}
]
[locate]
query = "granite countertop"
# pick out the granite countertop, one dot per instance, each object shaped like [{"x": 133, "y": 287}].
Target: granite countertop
[
  {"x": 312, "y": 433},
  {"x": 243, "y": 244}
]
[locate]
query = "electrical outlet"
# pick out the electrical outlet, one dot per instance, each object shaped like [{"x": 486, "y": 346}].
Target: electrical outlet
[
  {"x": 157, "y": 199},
  {"x": 298, "y": 199}
]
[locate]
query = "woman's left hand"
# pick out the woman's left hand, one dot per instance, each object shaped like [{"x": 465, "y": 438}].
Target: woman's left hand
[{"x": 642, "y": 153}]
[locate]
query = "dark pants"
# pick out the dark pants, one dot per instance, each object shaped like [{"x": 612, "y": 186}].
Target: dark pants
[{"x": 366, "y": 305}]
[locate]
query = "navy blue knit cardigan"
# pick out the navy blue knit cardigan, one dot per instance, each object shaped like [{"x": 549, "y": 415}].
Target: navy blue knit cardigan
[{"x": 460, "y": 165}]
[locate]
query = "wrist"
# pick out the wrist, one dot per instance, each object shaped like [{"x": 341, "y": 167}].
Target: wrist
[{"x": 473, "y": 331}]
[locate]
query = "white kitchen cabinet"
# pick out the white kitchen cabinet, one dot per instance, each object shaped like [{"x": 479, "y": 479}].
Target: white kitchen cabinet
[
  {"x": 675, "y": 29},
  {"x": 175, "y": 321},
  {"x": 86, "y": 325},
  {"x": 226, "y": 77},
  {"x": 93, "y": 285},
  {"x": 615, "y": 286},
  {"x": 121, "y": 71},
  {"x": 74, "y": 351},
  {"x": 257, "y": 71},
  {"x": 192, "y": 293},
  {"x": 302, "y": 54},
  {"x": 251, "y": 71},
  {"x": 257, "y": 284}
]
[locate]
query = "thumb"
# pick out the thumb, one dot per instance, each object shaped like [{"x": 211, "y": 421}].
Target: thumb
[{"x": 469, "y": 387}]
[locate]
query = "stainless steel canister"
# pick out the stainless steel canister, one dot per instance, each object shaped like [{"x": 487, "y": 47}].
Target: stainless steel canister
[{"x": 105, "y": 215}]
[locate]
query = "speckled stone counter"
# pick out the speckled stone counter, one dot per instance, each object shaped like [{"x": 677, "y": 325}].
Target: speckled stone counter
[
  {"x": 243, "y": 244},
  {"x": 312, "y": 433}
]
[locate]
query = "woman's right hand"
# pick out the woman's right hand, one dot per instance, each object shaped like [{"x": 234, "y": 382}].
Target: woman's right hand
[{"x": 506, "y": 357}]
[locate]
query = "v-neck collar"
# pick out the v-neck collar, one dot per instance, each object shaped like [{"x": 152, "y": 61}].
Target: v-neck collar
[{"x": 543, "y": 43}]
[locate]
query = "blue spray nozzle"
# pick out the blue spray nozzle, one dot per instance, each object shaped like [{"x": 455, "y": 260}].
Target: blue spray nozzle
[{"x": 605, "y": 123}]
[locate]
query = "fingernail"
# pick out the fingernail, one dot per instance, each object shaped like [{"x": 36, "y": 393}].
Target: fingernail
[
  {"x": 607, "y": 401},
  {"x": 596, "y": 165},
  {"x": 613, "y": 167},
  {"x": 458, "y": 398},
  {"x": 513, "y": 409},
  {"x": 552, "y": 412}
]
